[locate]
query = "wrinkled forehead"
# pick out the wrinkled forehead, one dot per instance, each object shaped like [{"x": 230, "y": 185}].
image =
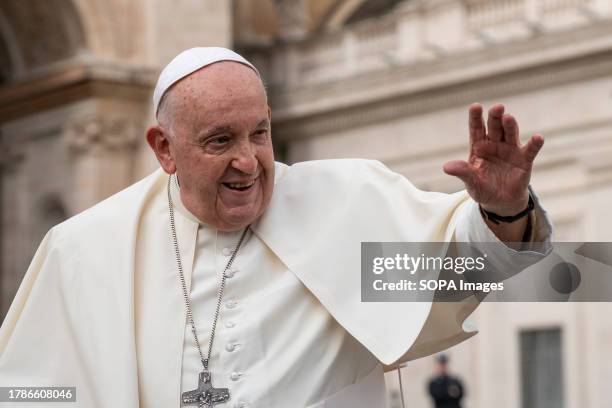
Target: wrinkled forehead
[
  {"x": 227, "y": 75},
  {"x": 224, "y": 93},
  {"x": 220, "y": 86}
]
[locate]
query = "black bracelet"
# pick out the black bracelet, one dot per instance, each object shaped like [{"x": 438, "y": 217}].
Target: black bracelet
[{"x": 496, "y": 219}]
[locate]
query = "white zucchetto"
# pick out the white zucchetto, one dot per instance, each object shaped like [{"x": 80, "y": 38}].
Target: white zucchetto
[{"x": 188, "y": 62}]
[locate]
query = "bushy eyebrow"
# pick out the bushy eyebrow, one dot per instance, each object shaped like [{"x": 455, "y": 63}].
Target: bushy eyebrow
[
  {"x": 215, "y": 130},
  {"x": 263, "y": 123},
  {"x": 228, "y": 129}
]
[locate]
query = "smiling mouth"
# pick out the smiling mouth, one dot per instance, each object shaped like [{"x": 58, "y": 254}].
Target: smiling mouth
[{"x": 239, "y": 186}]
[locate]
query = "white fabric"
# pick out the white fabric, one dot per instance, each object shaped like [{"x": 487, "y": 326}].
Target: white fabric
[
  {"x": 275, "y": 345},
  {"x": 340, "y": 203},
  {"x": 367, "y": 392},
  {"x": 102, "y": 290},
  {"x": 188, "y": 62}
]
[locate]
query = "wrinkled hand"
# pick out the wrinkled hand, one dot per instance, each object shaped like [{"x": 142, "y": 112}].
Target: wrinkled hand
[{"x": 498, "y": 169}]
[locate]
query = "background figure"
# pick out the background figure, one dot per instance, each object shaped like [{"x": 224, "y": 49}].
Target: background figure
[{"x": 445, "y": 390}]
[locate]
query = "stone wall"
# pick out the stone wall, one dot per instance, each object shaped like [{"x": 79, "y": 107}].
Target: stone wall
[
  {"x": 397, "y": 89},
  {"x": 75, "y": 103}
]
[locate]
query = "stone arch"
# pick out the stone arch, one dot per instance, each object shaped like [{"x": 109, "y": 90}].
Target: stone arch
[
  {"x": 115, "y": 28},
  {"x": 36, "y": 34}
]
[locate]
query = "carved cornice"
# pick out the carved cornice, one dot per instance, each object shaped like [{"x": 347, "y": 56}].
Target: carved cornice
[
  {"x": 403, "y": 91},
  {"x": 101, "y": 134},
  {"x": 67, "y": 83},
  {"x": 439, "y": 98}
]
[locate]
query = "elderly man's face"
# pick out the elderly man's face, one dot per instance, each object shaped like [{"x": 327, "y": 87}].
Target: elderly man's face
[{"x": 220, "y": 145}]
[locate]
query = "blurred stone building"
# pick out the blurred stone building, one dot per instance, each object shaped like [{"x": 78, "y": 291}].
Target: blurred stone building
[
  {"x": 383, "y": 79},
  {"x": 76, "y": 79}
]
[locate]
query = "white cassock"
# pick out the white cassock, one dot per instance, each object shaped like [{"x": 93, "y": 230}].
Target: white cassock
[{"x": 101, "y": 307}]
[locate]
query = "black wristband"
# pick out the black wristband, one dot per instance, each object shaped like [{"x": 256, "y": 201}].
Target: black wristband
[{"x": 496, "y": 219}]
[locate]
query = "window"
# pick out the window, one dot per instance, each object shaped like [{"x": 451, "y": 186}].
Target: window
[{"x": 541, "y": 368}]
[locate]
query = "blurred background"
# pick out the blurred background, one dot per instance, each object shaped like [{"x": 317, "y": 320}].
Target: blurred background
[{"x": 382, "y": 79}]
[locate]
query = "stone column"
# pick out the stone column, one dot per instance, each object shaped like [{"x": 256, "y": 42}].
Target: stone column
[
  {"x": 293, "y": 19},
  {"x": 103, "y": 151},
  {"x": 410, "y": 31},
  {"x": 450, "y": 14}
]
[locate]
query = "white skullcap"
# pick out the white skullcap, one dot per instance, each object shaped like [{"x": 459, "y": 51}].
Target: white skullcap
[{"x": 188, "y": 62}]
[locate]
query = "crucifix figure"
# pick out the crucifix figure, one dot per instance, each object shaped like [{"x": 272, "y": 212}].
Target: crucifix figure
[{"x": 205, "y": 396}]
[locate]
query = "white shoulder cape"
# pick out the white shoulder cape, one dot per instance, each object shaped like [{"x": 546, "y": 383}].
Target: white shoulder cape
[{"x": 100, "y": 307}]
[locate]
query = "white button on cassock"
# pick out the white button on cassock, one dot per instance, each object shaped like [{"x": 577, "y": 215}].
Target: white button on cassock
[
  {"x": 236, "y": 375},
  {"x": 242, "y": 404},
  {"x": 230, "y": 324},
  {"x": 232, "y": 346},
  {"x": 227, "y": 251},
  {"x": 230, "y": 304},
  {"x": 230, "y": 273}
]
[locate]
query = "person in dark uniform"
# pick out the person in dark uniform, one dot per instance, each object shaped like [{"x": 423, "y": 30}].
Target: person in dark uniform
[{"x": 445, "y": 390}]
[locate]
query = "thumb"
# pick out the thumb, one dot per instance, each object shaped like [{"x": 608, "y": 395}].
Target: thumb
[
  {"x": 533, "y": 146},
  {"x": 460, "y": 169}
]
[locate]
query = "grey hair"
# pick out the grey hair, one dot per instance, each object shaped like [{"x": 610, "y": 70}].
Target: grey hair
[{"x": 165, "y": 111}]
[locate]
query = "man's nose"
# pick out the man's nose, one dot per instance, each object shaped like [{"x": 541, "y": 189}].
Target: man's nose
[{"x": 245, "y": 159}]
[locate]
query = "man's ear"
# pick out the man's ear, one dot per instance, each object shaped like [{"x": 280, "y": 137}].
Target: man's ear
[{"x": 160, "y": 143}]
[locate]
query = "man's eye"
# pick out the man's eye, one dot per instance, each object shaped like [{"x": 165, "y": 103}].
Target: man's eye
[
  {"x": 261, "y": 132},
  {"x": 218, "y": 140}
]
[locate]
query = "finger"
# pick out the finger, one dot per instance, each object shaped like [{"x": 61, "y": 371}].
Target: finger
[
  {"x": 511, "y": 130},
  {"x": 460, "y": 169},
  {"x": 494, "y": 123},
  {"x": 532, "y": 147},
  {"x": 476, "y": 123}
]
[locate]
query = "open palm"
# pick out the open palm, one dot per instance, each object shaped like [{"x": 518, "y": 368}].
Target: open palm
[{"x": 498, "y": 170}]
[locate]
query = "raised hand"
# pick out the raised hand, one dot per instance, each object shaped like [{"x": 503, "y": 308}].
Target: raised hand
[{"x": 498, "y": 170}]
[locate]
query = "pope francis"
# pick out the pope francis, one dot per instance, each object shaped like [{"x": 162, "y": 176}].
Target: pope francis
[{"x": 225, "y": 279}]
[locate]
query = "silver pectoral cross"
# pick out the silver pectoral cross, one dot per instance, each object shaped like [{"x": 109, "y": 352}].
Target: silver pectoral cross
[{"x": 205, "y": 396}]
